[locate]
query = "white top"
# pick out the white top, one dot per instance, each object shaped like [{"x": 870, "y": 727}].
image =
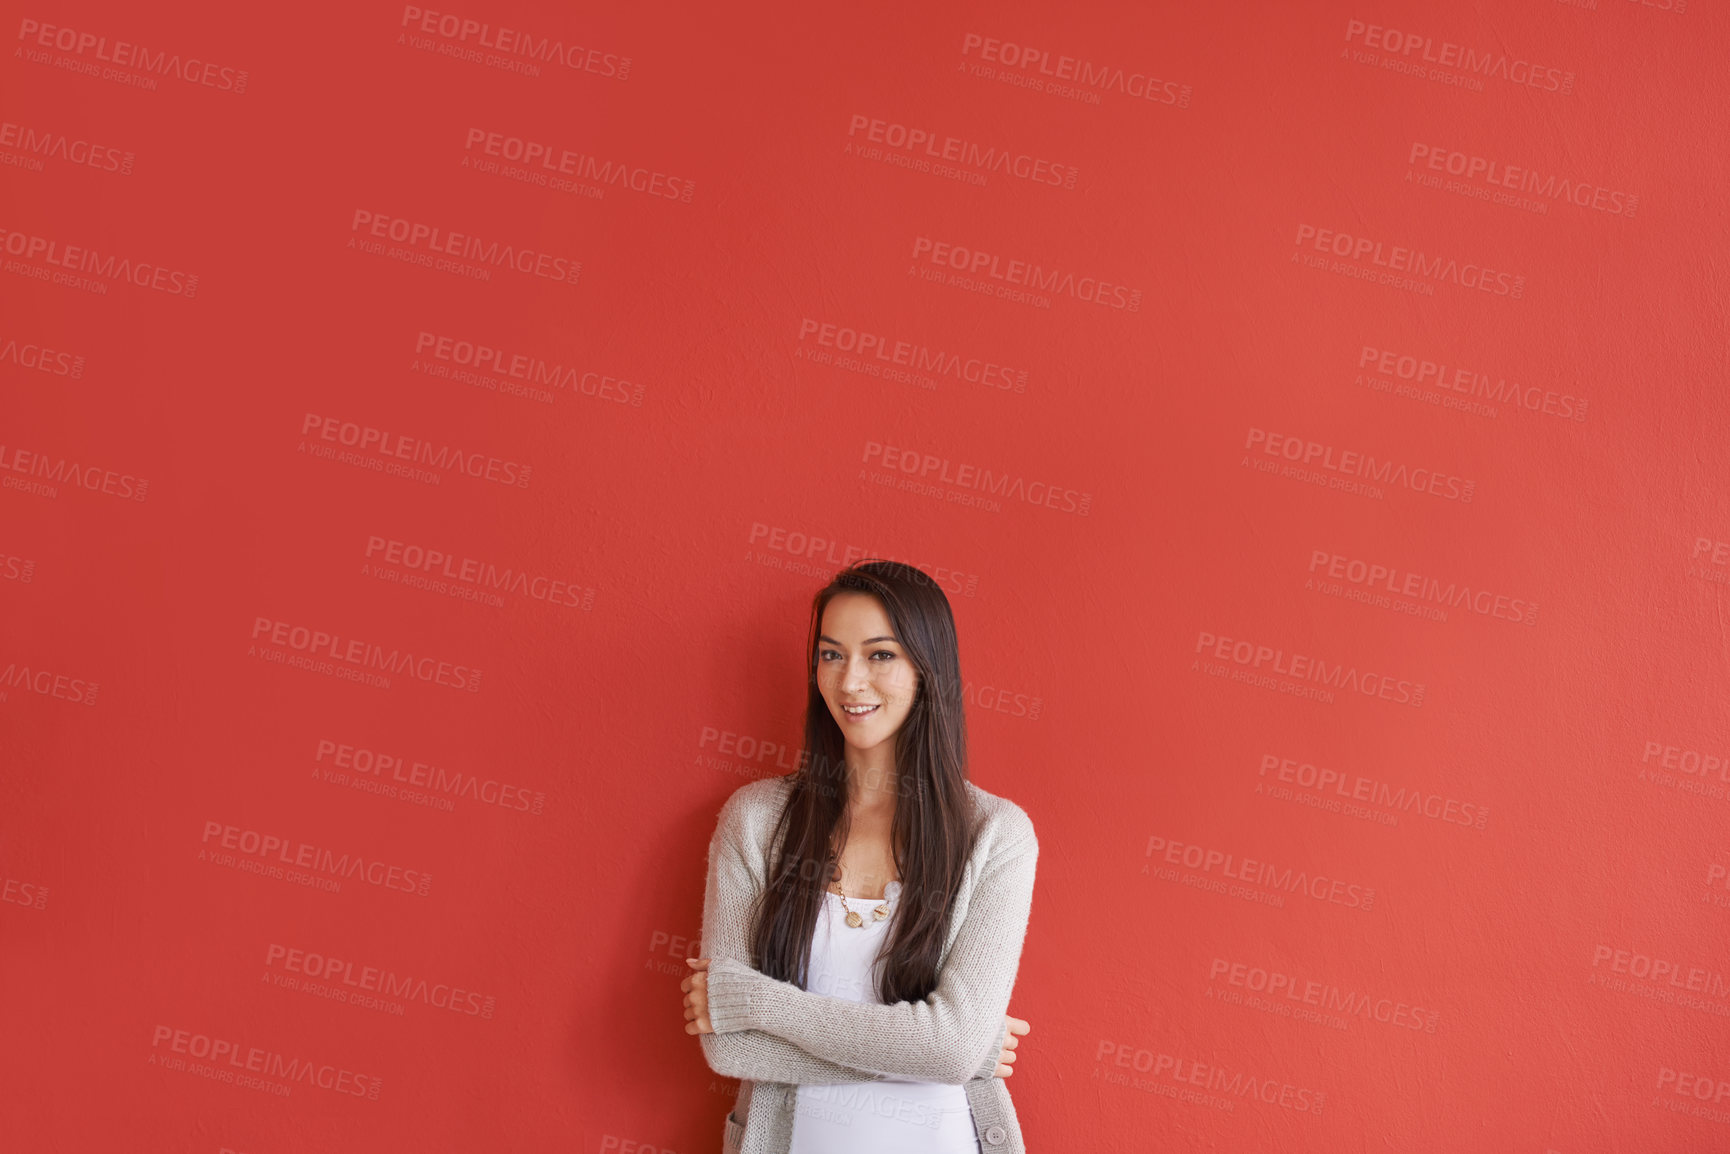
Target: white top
[{"x": 892, "y": 1116}]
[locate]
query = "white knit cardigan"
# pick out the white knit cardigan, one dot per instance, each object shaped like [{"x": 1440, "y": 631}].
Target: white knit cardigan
[{"x": 775, "y": 1036}]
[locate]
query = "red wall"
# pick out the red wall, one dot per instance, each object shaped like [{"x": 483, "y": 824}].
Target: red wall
[{"x": 1315, "y": 413}]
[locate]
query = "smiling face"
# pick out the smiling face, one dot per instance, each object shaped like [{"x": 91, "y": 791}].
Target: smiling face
[{"x": 864, "y": 673}]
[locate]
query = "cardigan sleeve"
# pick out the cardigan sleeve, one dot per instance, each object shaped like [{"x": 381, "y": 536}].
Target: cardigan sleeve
[
  {"x": 747, "y": 1053},
  {"x": 948, "y": 1037}
]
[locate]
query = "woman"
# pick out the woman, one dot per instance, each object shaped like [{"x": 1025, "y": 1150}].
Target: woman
[{"x": 864, "y": 916}]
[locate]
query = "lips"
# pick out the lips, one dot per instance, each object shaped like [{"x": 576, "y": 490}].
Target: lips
[{"x": 858, "y": 711}]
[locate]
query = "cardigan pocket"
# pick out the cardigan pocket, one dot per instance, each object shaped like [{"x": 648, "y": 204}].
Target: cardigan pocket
[{"x": 733, "y": 1139}]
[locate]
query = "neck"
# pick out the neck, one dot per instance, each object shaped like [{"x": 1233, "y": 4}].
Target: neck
[{"x": 872, "y": 787}]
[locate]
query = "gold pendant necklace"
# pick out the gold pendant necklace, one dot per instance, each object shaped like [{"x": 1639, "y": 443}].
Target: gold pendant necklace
[{"x": 853, "y": 917}]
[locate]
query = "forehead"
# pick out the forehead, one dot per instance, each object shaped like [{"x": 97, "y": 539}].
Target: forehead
[{"x": 853, "y": 616}]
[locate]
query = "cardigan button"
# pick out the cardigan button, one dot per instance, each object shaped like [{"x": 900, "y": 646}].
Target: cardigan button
[{"x": 994, "y": 1136}]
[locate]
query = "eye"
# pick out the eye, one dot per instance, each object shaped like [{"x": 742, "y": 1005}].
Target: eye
[{"x": 890, "y": 653}]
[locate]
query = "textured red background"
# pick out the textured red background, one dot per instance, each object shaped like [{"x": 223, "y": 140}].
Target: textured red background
[{"x": 1552, "y": 978}]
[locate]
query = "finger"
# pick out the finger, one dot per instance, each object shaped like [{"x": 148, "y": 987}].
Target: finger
[
  {"x": 697, "y": 963},
  {"x": 1005, "y": 1071},
  {"x": 1011, "y": 1042},
  {"x": 1019, "y": 1026},
  {"x": 1007, "y": 1057}
]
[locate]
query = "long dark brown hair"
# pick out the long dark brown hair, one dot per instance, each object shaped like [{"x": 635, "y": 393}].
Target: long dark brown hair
[{"x": 934, "y": 825}]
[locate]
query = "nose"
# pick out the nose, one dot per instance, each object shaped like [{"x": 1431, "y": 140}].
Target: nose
[{"x": 857, "y": 676}]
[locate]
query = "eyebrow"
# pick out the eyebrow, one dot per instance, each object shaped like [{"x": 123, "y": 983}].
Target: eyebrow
[{"x": 867, "y": 641}]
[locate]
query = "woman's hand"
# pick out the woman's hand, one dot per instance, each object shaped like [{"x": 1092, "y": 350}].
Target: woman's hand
[
  {"x": 696, "y": 987},
  {"x": 1017, "y": 1029}
]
